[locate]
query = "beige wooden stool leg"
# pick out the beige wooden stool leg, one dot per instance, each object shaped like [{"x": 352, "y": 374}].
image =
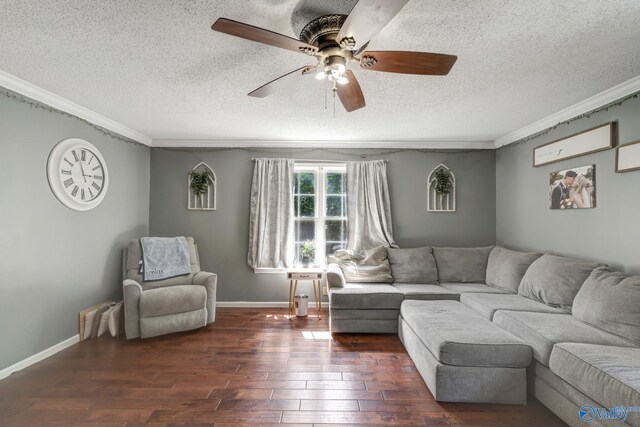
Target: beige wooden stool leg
[
  {"x": 318, "y": 296},
  {"x": 293, "y": 303},
  {"x": 290, "y": 294}
]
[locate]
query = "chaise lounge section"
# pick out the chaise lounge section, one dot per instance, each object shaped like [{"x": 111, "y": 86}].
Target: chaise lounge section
[{"x": 462, "y": 356}]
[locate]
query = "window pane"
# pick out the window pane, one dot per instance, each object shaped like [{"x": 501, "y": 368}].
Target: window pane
[
  {"x": 296, "y": 179},
  {"x": 307, "y": 183},
  {"x": 334, "y": 183},
  {"x": 334, "y": 206},
  {"x": 295, "y": 206},
  {"x": 332, "y": 247},
  {"x": 298, "y": 252},
  {"x": 307, "y": 230},
  {"x": 334, "y": 230},
  {"x": 307, "y": 206}
]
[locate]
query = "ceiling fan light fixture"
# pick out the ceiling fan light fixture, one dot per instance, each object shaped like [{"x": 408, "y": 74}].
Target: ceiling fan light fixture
[
  {"x": 335, "y": 67},
  {"x": 320, "y": 75},
  {"x": 333, "y": 74},
  {"x": 343, "y": 80}
]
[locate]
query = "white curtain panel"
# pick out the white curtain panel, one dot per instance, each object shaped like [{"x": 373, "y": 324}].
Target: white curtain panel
[
  {"x": 368, "y": 206},
  {"x": 271, "y": 215}
]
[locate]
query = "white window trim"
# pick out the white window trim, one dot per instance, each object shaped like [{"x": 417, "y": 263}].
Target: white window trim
[{"x": 320, "y": 169}]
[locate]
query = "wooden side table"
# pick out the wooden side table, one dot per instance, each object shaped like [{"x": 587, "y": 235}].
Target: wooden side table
[{"x": 314, "y": 274}]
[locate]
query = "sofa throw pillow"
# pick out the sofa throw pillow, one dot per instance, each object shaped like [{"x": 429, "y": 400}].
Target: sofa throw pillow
[
  {"x": 506, "y": 268},
  {"x": 462, "y": 265},
  {"x": 555, "y": 280},
  {"x": 368, "y": 266},
  {"x": 610, "y": 300},
  {"x": 415, "y": 265}
]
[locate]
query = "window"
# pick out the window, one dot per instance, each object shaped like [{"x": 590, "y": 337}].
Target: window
[{"x": 320, "y": 210}]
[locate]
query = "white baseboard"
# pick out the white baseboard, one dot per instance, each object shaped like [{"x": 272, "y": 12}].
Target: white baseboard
[
  {"x": 257, "y": 304},
  {"x": 4, "y": 373},
  {"x": 39, "y": 356}
]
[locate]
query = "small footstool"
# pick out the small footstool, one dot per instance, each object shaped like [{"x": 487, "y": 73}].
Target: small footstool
[{"x": 462, "y": 356}]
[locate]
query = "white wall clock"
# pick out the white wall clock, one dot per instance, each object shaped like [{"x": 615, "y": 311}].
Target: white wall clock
[{"x": 77, "y": 174}]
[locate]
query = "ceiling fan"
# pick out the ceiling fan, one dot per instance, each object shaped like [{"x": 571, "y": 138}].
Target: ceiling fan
[{"x": 337, "y": 41}]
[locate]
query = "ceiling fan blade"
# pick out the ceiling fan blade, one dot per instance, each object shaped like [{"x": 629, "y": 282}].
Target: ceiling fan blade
[
  {"x": 366, "y": 19},
  {"x": 261, "y": 35},
  {"x": 350, "y": 94},
  {"x": 362, "y": 49},
  {"x": 425, "y": 63},
  {"x": 279, "y": 83}
]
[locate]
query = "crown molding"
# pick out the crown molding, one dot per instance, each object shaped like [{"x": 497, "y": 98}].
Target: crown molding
[
  {"x": 603, "y": 98},
  {"x": 39, "y": 94},
  {"x": 216, "y": 143}
]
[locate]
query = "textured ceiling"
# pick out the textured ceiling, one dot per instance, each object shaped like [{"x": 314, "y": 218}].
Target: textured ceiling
[{"x": 157, "y": 67}]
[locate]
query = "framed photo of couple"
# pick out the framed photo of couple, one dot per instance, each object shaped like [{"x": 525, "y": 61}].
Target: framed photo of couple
[{"x": 573, "y": 188}]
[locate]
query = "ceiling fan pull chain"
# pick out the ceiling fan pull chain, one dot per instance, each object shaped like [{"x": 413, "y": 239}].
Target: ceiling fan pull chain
[
  {"x": 334, "y": 99},
  {"x": 325, "y": 97}
]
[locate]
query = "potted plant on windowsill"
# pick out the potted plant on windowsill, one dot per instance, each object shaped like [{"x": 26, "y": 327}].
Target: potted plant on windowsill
[{"x": 307, "y": 253}]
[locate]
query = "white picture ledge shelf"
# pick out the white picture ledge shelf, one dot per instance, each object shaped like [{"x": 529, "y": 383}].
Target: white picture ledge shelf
[
  {"x": 206, "y": 201},
  {"x": 441, "y": 202}
]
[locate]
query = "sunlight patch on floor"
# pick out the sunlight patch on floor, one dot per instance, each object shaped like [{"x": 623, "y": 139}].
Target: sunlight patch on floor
[
  {"x": 286, "y": 316},
  {"x": 316, "y": 335}
]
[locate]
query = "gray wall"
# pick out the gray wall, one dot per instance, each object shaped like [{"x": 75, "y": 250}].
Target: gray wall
[
  {"x": 222, "y": 235},
  {"x": 608, "y": 233},
  {"x": 55, "y": 261}
]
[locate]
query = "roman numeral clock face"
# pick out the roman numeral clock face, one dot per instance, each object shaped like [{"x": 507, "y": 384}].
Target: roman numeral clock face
[{"x": 77, "y": 174}]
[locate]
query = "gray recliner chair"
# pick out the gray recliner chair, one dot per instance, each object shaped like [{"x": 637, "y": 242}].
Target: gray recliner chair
[{"x": 165, "y": 306}]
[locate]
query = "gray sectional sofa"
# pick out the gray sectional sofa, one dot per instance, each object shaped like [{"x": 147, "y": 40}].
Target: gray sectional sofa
[{"x": 490, "y": 324}]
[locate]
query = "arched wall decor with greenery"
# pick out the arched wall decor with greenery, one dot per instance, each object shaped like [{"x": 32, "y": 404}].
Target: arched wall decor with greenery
[
  {"x": 441, "y": 192},
  {"x": 202, "y": 188}
]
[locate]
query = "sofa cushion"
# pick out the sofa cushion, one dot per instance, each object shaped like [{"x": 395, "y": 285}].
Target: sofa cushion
[
  {"x": 488, "y": 304},
  {"x": 505, "y": 268},
  {"x": 607, "y": 374},
  {"x": 171, "y": 300},
  {"x": 611, "y": 301},
  {"x": 455, "y": 335},
  {"x": 543, "y": 330},
  {"x": 415, "y": 265},
  {"x": 335, "y": 276},
  {"x": 462, "y": 264},
  {"x": 426, "y": 292},
  {"x": 356, "y": 296},
  {"x": 368, "y": 266},
  {"x": 385, "y": 314},
  {"x": 463, "y": 288},
  {"x": 555, "y": 280}
]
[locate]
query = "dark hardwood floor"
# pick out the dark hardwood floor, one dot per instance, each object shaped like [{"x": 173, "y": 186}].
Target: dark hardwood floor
[{"x": 252, "y": 367}]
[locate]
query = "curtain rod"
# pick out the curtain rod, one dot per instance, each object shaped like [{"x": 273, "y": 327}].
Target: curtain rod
[{"x": 253, "y": 159}]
